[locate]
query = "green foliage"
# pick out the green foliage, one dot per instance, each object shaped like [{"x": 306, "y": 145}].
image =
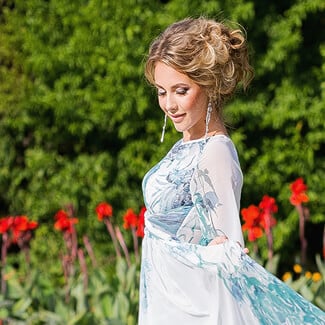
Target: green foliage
[
  {"x": 33, "y": 300},
  {"x": 79, "y": 124}
]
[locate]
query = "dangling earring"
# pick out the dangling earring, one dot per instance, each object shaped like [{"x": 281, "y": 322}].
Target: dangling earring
[
  {"x": 207, "y": 119},
  {"x": 163, "y": 129}
]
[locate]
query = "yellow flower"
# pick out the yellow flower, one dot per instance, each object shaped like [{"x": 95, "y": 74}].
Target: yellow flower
[
  {"x": 316, "y": 276},
  {"x": 297, "y": 268},
  {"x": 9, "y": 275},
  {"x": 308, "y": 275},
  {"x": 286, "y": 276}
]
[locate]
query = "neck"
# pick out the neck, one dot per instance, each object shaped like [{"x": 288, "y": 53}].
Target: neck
[{"x": 215, "y": 128}]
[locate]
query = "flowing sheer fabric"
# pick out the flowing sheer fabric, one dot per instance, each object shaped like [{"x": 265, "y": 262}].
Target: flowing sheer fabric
[{"x": 192, "y": 196}]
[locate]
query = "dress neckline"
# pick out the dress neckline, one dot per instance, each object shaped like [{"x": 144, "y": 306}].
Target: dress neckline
[{"x": 203, "y": 139}]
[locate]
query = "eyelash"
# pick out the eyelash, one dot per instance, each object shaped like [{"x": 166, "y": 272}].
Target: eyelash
[{"x": 181, "y": 91}]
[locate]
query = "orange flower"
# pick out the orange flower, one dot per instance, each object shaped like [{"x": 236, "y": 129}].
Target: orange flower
[
  {"x": 268, "y": 203},
  {"x": 268, "y": 207},
  {"x": 32, "y": 224},
  {"x": 298, "y": 192},
  {"x": 5, "y": 224},
  {"x": 297, "y": 268},
  {"x": 17, "y": 226},
  {"x": 308, "y": 275},
  {"x": 316, "y": 276},
  {"x": 140, "y": 228},
  {"x": 104, "y": 210},
  {"x": 252, "y": 218},
  {"x": 286, "y": 276},
  {"x": 20, "y": 225},
  {"x": 61, "y": 214},
  {"x": 63, "y": 222},
  {"x": 130, "y": 219}
]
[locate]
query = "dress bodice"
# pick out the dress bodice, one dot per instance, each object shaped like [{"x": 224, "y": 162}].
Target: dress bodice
[
  {"x": 181, "y": 193},
  {"x": 166, "y": 186}
]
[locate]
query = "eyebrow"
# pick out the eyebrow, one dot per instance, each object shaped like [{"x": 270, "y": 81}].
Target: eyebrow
[{"x": 181, "y": 84}]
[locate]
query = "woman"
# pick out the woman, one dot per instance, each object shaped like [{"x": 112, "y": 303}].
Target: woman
[{"x": 194, "y": 270}]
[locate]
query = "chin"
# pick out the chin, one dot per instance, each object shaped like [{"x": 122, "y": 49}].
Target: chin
[{"x": 178, "y": 128}]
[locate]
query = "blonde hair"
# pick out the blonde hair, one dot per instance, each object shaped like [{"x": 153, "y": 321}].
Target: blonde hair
[{"x": 211, "y": 54}]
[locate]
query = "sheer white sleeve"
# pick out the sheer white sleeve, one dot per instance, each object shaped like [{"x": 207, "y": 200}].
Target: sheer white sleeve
[{"x": 216, "y": 189}]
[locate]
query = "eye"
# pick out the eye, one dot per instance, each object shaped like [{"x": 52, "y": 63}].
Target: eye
[
  {"x": 181, "y": 91},
  {"x": 161, "y": 92}
]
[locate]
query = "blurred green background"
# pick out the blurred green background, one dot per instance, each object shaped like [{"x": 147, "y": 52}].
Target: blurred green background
[{"x": 80, "y": 125}]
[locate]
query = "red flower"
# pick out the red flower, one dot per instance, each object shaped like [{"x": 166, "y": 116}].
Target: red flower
[
  {"x": 140, "y": 228},
  {"x": 268, "y": 204},
  {"x": 61, "y": 214},
  {"x": 17, "y": 225},
  {"x": 63, "y": 222},
  {"x": 130, "y": 219},
  {"x": 5, "y": 224},
  {"x": 20, "y": 223},
  {"x": 268, "y": 207},
  {"x": 32, "y": 225},
  {"x": 104, "y": 210},
  {"x": 252, "y": 218},
  {"x": 298, "y": 192}
]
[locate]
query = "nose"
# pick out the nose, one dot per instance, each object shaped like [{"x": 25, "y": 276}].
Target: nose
[{"x": 171, "y": 105}]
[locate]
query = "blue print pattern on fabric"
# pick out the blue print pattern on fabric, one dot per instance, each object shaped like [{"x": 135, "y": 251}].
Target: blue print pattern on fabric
[{"x": 192, "y": 196}]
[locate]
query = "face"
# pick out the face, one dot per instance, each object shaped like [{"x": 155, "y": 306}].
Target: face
[{"x": 182, "y": 100}]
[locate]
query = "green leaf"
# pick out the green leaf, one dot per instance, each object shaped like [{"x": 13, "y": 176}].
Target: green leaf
[{"x": 21, "y": 306}]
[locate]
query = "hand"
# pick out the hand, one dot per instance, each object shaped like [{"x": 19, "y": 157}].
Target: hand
[
  {"x": 221, "y": 239},
  {"x": 218, "y": 240},
  {"x": 245, "y": 250}
]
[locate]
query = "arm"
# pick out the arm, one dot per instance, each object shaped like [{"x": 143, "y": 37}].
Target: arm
[{"x": 216, "y": 189}]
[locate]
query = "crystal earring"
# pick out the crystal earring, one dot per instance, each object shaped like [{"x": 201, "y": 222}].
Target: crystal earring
[
  {"x": 207, "y": 119},
  {"x": 163, "y": 129}
]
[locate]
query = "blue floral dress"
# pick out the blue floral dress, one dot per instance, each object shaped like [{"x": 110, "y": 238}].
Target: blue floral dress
[{"x": 193, "y": 195}]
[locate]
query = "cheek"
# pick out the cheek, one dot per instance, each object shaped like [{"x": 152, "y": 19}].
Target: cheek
[
  {"x": 161, "y": 103},
  {"x": 200, "y": 104},
  {"x": 192, "y": 105}
]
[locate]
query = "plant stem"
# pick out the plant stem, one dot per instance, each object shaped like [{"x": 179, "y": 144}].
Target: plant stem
[
  {"x": 83, "y": 267},
  {"x": 324, "y": 243},
  {"x": 4, "y": 248},
  {"x": 123, "y": 245},
  {"x": 269, "y": 243},
  {"x": 90, "y": 251},
  {"x": 110, "y": 229},
  {"x": 303, "y": 240},
  {"x": 255, "y": 248},
  {"x": 135, "y": 243}
]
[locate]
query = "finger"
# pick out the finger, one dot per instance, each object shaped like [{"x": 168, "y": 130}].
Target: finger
[
  {"x": 218, "y": 240},
  {"x": 221, "y": 239}
]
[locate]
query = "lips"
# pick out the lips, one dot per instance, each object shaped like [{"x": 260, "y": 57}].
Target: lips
[{"x": 177, "y": 118}]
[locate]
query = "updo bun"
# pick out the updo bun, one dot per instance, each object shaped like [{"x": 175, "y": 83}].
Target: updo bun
[{"x": 210, "y": 53}]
